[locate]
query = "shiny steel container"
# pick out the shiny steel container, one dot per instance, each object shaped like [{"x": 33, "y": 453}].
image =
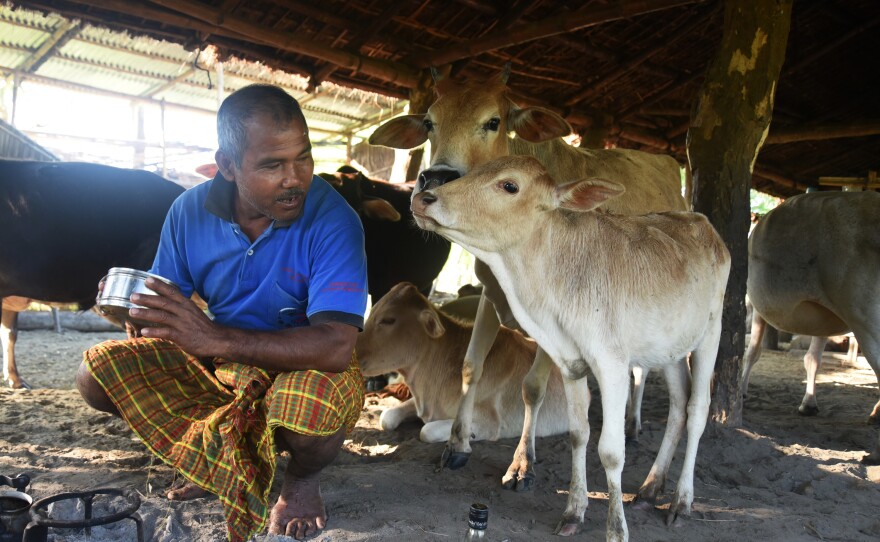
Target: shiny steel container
[{"x": 115, "y": 299}]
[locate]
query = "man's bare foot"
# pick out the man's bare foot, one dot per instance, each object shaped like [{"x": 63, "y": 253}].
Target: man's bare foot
[
  {"x": 185, "y": 491},
  {"x": 300, "y": 511}
]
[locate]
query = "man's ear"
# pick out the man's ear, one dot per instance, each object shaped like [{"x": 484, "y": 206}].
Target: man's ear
[
  {"x": 433, "y": 327},
  {"x": 586, "y": 194},
  {"x": 226, "y": 165}
]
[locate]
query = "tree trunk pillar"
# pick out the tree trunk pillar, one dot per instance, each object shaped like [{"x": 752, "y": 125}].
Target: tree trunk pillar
[{"x": 729, "y": 123}]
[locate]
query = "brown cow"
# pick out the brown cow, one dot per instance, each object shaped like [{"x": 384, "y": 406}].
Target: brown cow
[{"x": 468, "y": 125}]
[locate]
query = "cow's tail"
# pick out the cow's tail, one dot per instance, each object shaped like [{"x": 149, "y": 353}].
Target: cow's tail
[{"x": 688, "y": 187}]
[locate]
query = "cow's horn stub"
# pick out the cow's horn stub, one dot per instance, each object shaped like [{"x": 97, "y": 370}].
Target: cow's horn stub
[{"x": 505, "y": 72}]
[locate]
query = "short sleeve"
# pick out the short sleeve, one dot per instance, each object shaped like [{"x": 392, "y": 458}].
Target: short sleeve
[{"x": 338, "y": 285}]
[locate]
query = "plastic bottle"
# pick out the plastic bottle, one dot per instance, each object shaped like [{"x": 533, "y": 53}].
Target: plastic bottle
[{"x": 478, "y": 519}]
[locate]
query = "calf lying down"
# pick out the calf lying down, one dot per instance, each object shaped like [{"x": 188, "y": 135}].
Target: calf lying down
[
  {"x": 598, "y": 290},
  {"x": 405, "y": 333}
]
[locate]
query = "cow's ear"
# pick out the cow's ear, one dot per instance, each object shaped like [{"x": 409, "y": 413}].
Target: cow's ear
[
  {"x": 405, "y": 132},
  {"x": 537, "y": 124},
  {"x": 586, "y": 194},
  {"x": 379, "y": 209},
  {"x": 433, "y": 327}
]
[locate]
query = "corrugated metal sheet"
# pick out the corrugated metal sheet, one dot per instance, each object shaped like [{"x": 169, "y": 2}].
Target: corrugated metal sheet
[
  {"x": 14, "y": 144},
  {"x": 143, "y": 67}
]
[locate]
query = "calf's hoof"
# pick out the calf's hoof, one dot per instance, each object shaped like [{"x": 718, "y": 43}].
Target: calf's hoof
[
  {"x": 453, "y": 460},
  {"x": 518, "y": 482},
  {"x": 678, "y": 508},
  {"x": 872, "y": 458},
  {"x": 567, "y": 527},
  {"x": 808, "y": 410},
  {"x": 18, "y": 384}
]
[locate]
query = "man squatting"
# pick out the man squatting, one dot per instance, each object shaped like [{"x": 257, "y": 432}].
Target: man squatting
[{"x": 279, "y": 258}]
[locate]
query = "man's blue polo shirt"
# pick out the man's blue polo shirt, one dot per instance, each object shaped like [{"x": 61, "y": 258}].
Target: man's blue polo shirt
[{"x": 308, "y": 271}]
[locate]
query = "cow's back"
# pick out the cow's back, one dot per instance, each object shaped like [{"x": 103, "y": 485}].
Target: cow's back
[
  {"x": 653, "y": 181},
  {"x": 814, "y": 262},
  {"x": 64, "y": 224}
]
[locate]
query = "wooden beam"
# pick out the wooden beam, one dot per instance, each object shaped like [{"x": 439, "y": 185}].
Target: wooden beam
[
  {"x": 558, "y": 24},
  {"x": 387, "y": 71},
  {"x": 779, "y": 178},
  {"x": 59, "y": 37},
  {"x": 821, "y": 133}
]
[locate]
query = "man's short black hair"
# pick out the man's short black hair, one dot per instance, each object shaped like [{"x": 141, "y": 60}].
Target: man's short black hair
[{"x": 246, "y": 103}]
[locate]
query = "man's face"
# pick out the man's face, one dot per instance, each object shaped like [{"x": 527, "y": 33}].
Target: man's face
[{"x": 275, "y": 173}]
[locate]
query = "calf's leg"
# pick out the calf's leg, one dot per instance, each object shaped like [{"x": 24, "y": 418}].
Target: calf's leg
[
  {"x": 869, "y": 342},
  {"x": 754, "y": 350},
  {"x": 577, "y": 393},
  {"x": 486, "y": 325},
  {"x": 634, "y": 410},
  {"x": 812, "y": 363},
  {"x": 613, "y": 377},
  {"x": 8, "y": 336},
  {"x": 521, "y": 472},
  {"x": 702, "y": 367},
  {"x": 678, "y": 382}
]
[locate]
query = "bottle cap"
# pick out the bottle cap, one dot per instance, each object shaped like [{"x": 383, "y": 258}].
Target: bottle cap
[{"x": 478, "y": 516}]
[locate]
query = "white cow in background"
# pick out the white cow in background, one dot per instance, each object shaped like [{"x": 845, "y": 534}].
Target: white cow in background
[
  {"x": 406, "y": 334},
  {"x": 602, "y": 291},
  {"x": 814, "y": 269},
  {"x": 468, "y": 125}
]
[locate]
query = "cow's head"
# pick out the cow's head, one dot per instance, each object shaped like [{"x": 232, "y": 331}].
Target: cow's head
[
  {"x": 350, "y": 184},
  {"x": 468, "y": 125},
  {"x": 401, "y": 324}
]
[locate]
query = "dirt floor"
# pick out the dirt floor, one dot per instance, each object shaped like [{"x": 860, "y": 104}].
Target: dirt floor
[{"x": 779, "y": 478}]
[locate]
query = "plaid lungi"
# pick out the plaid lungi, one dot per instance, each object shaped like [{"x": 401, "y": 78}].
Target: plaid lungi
[{"x": 217, "y": 428}]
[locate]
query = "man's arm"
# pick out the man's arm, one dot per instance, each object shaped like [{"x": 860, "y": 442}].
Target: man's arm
[{"x": 323, "y": 347}]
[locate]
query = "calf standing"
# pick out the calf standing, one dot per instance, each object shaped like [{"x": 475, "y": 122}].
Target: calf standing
[
  {"x": 63, "y": 225},
  {"x": 405, "y": 333},
  {"x": 602, "y": 291}
]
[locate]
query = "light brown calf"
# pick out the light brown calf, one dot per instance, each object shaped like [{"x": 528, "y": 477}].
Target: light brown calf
[
  {"x": 406, "y": 334},
  {"x": 600, "y": 291}
]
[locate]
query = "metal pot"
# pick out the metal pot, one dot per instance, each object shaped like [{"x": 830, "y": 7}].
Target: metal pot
[
  {"x": 115, "y": 299},
  {"x": 14, "y": 507}
]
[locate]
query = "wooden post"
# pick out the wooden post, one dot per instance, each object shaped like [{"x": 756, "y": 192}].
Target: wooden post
[
  {"x": 728, "y": 125},
  {"x": 420, "y": 99}
]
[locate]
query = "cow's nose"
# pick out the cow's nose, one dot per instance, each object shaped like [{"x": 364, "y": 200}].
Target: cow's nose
[{"x": 434, "y": 177}]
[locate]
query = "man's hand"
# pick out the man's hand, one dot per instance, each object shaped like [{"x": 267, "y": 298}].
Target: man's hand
[{"x": 177, "y": 319}]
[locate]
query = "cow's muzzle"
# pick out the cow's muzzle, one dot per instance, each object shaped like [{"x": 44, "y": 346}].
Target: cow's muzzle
[{"x": 436, "y": 176}]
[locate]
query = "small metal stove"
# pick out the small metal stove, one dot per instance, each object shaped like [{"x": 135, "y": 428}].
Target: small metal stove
[{"x": 14, "y": 529}]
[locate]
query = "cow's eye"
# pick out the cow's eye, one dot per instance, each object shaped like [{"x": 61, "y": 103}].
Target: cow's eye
[
  {"x": 493, "y": 124},
  {"x": 387, "y": 321},
  {"x": 509, "y": 186},
  {"x": 429, "y": 126}
]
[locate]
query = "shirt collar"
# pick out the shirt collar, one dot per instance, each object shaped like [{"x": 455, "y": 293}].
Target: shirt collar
[{"x": 221, "y": 199}]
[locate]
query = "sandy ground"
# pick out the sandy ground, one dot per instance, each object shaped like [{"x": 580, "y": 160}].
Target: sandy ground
[{"x": 779, "y": 478}]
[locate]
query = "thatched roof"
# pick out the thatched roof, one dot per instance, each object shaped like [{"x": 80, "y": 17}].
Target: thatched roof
[{"x": 629, "y": 70}]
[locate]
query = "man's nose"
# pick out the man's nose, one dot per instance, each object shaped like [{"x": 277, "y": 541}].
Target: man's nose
[{"x": 291, "y": 178}]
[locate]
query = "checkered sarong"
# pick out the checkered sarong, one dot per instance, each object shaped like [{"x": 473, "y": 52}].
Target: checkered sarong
[{"x": 217, "y": 429}]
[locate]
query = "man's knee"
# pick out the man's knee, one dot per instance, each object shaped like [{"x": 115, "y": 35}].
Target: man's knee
[{"x": 92, "y": 392}]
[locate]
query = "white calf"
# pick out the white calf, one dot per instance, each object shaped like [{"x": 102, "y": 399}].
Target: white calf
[{"x": 602, "y": 291}]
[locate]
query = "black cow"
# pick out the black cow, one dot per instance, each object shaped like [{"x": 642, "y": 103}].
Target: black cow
[
  {"x": 63, "y": 225},
  {"x": 397, "y": 250}
]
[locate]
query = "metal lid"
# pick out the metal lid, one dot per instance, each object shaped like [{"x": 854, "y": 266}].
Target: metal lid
[{"x": 478, "y": 516}]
